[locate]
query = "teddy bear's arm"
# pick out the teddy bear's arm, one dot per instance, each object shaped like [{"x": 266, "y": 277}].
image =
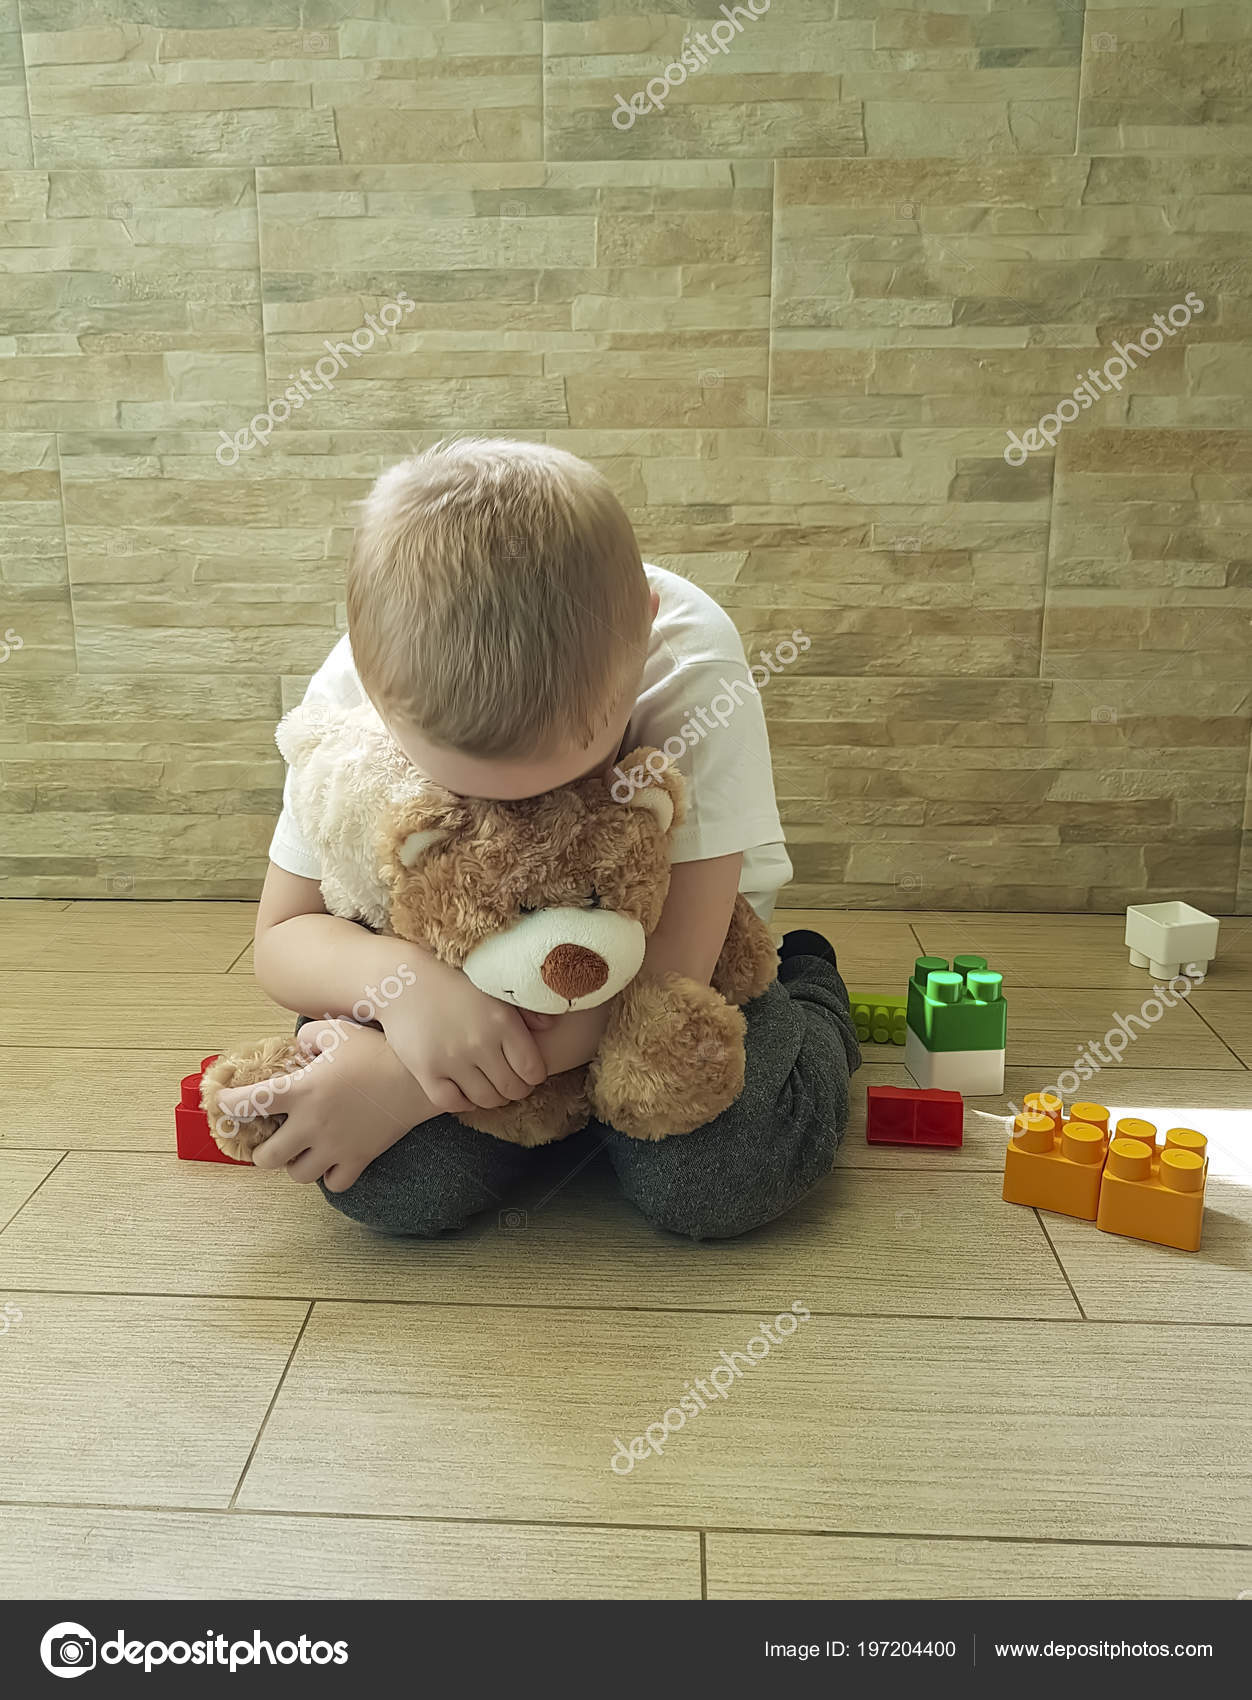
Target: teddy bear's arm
[
  {"x": 671, "y": 1060},
  {"x": 749, "y": 960}
]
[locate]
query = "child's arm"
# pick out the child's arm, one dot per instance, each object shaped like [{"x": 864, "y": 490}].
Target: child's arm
[
  {"x": 695, "y": 920},
  {"x": 461, "y": 1046},
  {"x": 346, "y": 1110},
  {"x": 354, "y": 1100},
  {"x": 307, "y": 960}
]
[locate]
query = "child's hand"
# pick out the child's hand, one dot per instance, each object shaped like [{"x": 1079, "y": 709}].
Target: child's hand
[
  {"x": 350, "y": 1104},
  {"x": 462, "y": 1047}
]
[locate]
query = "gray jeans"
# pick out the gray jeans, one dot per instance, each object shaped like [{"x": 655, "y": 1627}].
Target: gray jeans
[{"x": 751, "y": 1164}]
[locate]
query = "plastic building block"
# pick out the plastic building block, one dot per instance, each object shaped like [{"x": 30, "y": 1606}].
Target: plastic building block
[
  {"x": 191, "y": 1126},
  {"x": 975, "y": 1074},
  {"x": 1155, "y": 1194},
  {"x": 900, "y": 1115},
  {"x": 1055, "y": 1168},
  {"x": 1048, "y": 1104},
  {"x": 1127, "y": 1184},
  {"x": 1130, "y": 1127},
  {"x": 879, "y": 1016},
  {"x": 1163, "y": 936},
  {"x": 957, "y": 1026},
  {"x": 957, "y": 1008}
]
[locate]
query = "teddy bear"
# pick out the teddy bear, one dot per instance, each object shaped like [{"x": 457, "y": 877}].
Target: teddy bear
[{"x": 546, "y": 903}]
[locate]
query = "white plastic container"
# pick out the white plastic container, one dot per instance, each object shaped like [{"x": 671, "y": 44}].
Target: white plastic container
[{"x": 1164, "y": 937}]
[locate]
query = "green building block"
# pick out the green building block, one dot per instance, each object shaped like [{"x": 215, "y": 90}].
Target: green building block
[
  {"x": 958, "y": 1006},
  {"x": 879, "y": 1016}
]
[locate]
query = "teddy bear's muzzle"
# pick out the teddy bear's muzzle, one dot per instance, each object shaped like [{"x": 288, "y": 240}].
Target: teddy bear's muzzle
[
  {"x": 559, "y": 959},
  {"x": 573, "y": 972}
]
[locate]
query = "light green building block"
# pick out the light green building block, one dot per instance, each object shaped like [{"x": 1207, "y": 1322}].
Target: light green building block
[{"x": 879, "y": 1016}]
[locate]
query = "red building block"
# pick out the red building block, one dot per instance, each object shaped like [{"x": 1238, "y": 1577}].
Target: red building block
[
  {"x": 191, "y": 1126},
  {"x": 903, "y": 1115}
]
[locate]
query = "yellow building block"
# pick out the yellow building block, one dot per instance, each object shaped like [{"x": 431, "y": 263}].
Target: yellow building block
[
  {"x": 1155, "y": 1195},
  {"x": 1045, "y": 1104},
  {"x": 1055, "y": 1168},
  {"x": 1132, "y": 1127},
  {"x": 1095, "y": 1115}
]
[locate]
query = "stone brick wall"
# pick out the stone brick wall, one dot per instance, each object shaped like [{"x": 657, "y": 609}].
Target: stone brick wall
[{"x": 792, "y": 310}]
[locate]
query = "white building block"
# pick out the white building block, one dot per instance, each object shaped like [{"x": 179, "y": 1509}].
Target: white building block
[
  {"x": 974, "y": 1074},
  {"x": 1163, "y": 937}
]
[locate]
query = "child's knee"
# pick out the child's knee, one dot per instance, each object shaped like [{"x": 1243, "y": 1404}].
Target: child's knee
[
  {"x": 419, "y": 1215},
  {"x": 715, "y": 1188},
  {"x": 761, "y": 1156},
  {"x": 718, "y": 1215},
  {"x": 414, "y": 1190},
  {"x": 701, "y": 1219}
]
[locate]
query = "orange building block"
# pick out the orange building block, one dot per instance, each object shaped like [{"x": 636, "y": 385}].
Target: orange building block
[
  {"x": 1156, "y": 1195},
  {"x": 1055, "y": 1167},
  {"x": 1045, "y": 1104},
  {"x": 1095, "y": 1115},
  {"x": 1131, "y": 1127}
]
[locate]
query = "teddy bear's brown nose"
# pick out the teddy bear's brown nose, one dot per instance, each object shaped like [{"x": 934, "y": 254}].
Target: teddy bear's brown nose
[{"x": 572, "y": 971}]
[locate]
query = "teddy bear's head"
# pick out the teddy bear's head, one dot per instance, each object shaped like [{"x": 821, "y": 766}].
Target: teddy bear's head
[{"x": 545, "y": 903}]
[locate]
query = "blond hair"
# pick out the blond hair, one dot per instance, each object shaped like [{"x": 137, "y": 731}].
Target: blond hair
[{"x": 496, "y": 597}]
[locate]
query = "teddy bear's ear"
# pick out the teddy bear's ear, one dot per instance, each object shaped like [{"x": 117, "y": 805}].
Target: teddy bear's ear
[
  {"x": 413, "y": 846},
  {"x": 655, "y": 784},
  {"x": 656, "y": 800},
  {"x": 412, "y": 831}
]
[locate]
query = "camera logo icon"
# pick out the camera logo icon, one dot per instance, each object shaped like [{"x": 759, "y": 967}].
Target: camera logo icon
[{"x": 68, "y": 1649}]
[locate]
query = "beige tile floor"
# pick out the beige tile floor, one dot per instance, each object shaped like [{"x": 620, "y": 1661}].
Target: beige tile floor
[{"x": 208, "y": 1379}]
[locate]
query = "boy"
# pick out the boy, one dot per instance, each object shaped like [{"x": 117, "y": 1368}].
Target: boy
[{"x": 503, "y": 624}]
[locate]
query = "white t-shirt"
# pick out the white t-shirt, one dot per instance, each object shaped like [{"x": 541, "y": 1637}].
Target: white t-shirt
[{"x": 697, "y": 692}]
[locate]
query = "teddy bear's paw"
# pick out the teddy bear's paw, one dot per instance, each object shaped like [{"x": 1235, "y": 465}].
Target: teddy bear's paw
[
  {"x": 671, "y": 1059},
  {"x": 552, "y": 1111},
  {"x": 240, "y": 1138}
]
